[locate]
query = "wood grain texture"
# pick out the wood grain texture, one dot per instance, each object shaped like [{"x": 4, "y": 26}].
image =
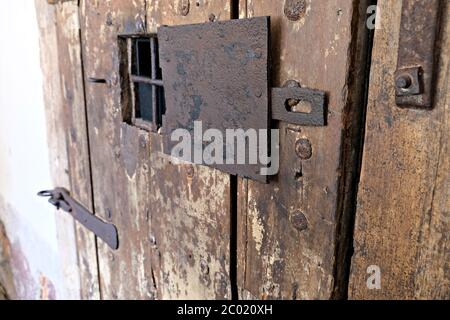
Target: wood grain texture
[
  {"x": 56, "y": 108},
  {"x": 72, "y": 86},
  {"x": 173, "y": 220},
  {"x": 190, "y": 216},
  {"x": 277, "y": 257},
  {"x": 402, "y": 221},
  {"x": 120, "y": 183}
]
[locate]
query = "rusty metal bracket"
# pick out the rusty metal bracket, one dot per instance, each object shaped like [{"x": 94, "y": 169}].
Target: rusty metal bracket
[
  {"x": 316, "y": 98},
  {"x": 416, "y": 54},
  {"x": 61, "y": 199}
]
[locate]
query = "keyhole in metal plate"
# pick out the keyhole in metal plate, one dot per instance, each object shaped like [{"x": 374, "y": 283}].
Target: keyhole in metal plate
[{"x": 298, "y": 106}]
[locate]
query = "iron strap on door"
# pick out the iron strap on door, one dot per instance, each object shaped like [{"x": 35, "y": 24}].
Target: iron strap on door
[
  {"x": 416, "y": 54},
  {"x": 218, "y": 74},
  {"x": 61, "y": 199}
]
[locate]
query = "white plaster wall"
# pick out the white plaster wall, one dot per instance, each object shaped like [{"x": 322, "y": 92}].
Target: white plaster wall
[{"x": 24, "y": 161}]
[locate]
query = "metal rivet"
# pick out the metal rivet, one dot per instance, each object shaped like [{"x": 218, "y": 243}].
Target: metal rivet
[
  {"x": 299, "y": 221},
  {"x": 294, "y": 9},
  {"x": 403, "y": 81},
  {"x": 303, "y": 149}
]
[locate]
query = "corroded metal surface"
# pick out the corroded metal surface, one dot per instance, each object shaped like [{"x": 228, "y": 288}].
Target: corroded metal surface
[
  {"x": 316, "y": 98},
  {"x": 217, "y": 73},
  {"x": 415, "y": 66}
]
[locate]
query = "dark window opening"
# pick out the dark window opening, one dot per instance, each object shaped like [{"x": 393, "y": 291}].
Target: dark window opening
[{"x": 145, "y": 83}]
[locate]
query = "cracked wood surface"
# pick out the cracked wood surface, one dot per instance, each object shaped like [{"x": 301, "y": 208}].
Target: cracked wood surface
[
  {"x": 293, "y": 234},
  {"x": 402, "y": 220},
  {"x": 173, "y": 220},
  {"x": 72, "y": 86}
]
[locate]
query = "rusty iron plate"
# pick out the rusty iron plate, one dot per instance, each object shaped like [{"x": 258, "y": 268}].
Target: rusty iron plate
[
  {"x": 416, "y": 54},
  {"x": 217, "y": 73},
  {"x": 316, "y": 98}
]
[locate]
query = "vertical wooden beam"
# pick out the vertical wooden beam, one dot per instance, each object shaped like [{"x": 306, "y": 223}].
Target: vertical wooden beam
[
  {"x": 71, "y": 73},
  {"x": 295, "y": 232},
  {"x": 402, "y": 222},
  {"x": 190, "y": 217},
  {"x": 55, "y": 103}
]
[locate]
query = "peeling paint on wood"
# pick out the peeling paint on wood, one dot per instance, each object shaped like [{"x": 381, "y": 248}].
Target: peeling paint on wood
[
  {"x": 278, "y": 257},
  {"x": 173, "y": 223},
  {"x": 402, "y": 221}
]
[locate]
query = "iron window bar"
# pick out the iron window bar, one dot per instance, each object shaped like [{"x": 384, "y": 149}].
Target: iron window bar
[{"x": 153, "y": 79}]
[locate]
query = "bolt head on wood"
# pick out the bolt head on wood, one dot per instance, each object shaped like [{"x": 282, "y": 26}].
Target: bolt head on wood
[
  {"x": 294, "y": 9},
  {"x": 403, "y": 82},
  {"x": 299, "y": 221},
  {"x": 303, "y": 149}
]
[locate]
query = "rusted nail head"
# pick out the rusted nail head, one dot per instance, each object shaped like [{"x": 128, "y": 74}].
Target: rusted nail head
[
  {"x": 303, "y": 149},
  {"x": 299, "y": 221},
  {"x": 294, "y": 9},
  {"x": 403, "y": 81}
]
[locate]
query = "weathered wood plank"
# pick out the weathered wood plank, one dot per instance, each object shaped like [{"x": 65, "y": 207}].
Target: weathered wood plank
[
  {"x": 190, "y": 205},
  {"x": 173, "y": 220},
  {"x": 71, "y": 76},
  {"x": 118, "y": 175},
  {"x": 293, "y": 233},
  {"x": 56, "y": 108},
  {"x": 402, "y": 221}
]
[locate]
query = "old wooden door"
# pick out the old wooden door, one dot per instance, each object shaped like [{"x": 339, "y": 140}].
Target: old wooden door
[
  {"x": 189, "y": 231},
  {"x": 402, "y": 220},
  {"x": 173, "y": 220}
]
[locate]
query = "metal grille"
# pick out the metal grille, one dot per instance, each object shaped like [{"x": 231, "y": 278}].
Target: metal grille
[{"x": 147, "y": 83}]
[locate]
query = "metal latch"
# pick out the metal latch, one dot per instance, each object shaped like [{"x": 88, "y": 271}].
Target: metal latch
[
  {"x": 219, "y": 73},
  {"x": 61, "y": 199},
  {"x": 416, "y": 54}
]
